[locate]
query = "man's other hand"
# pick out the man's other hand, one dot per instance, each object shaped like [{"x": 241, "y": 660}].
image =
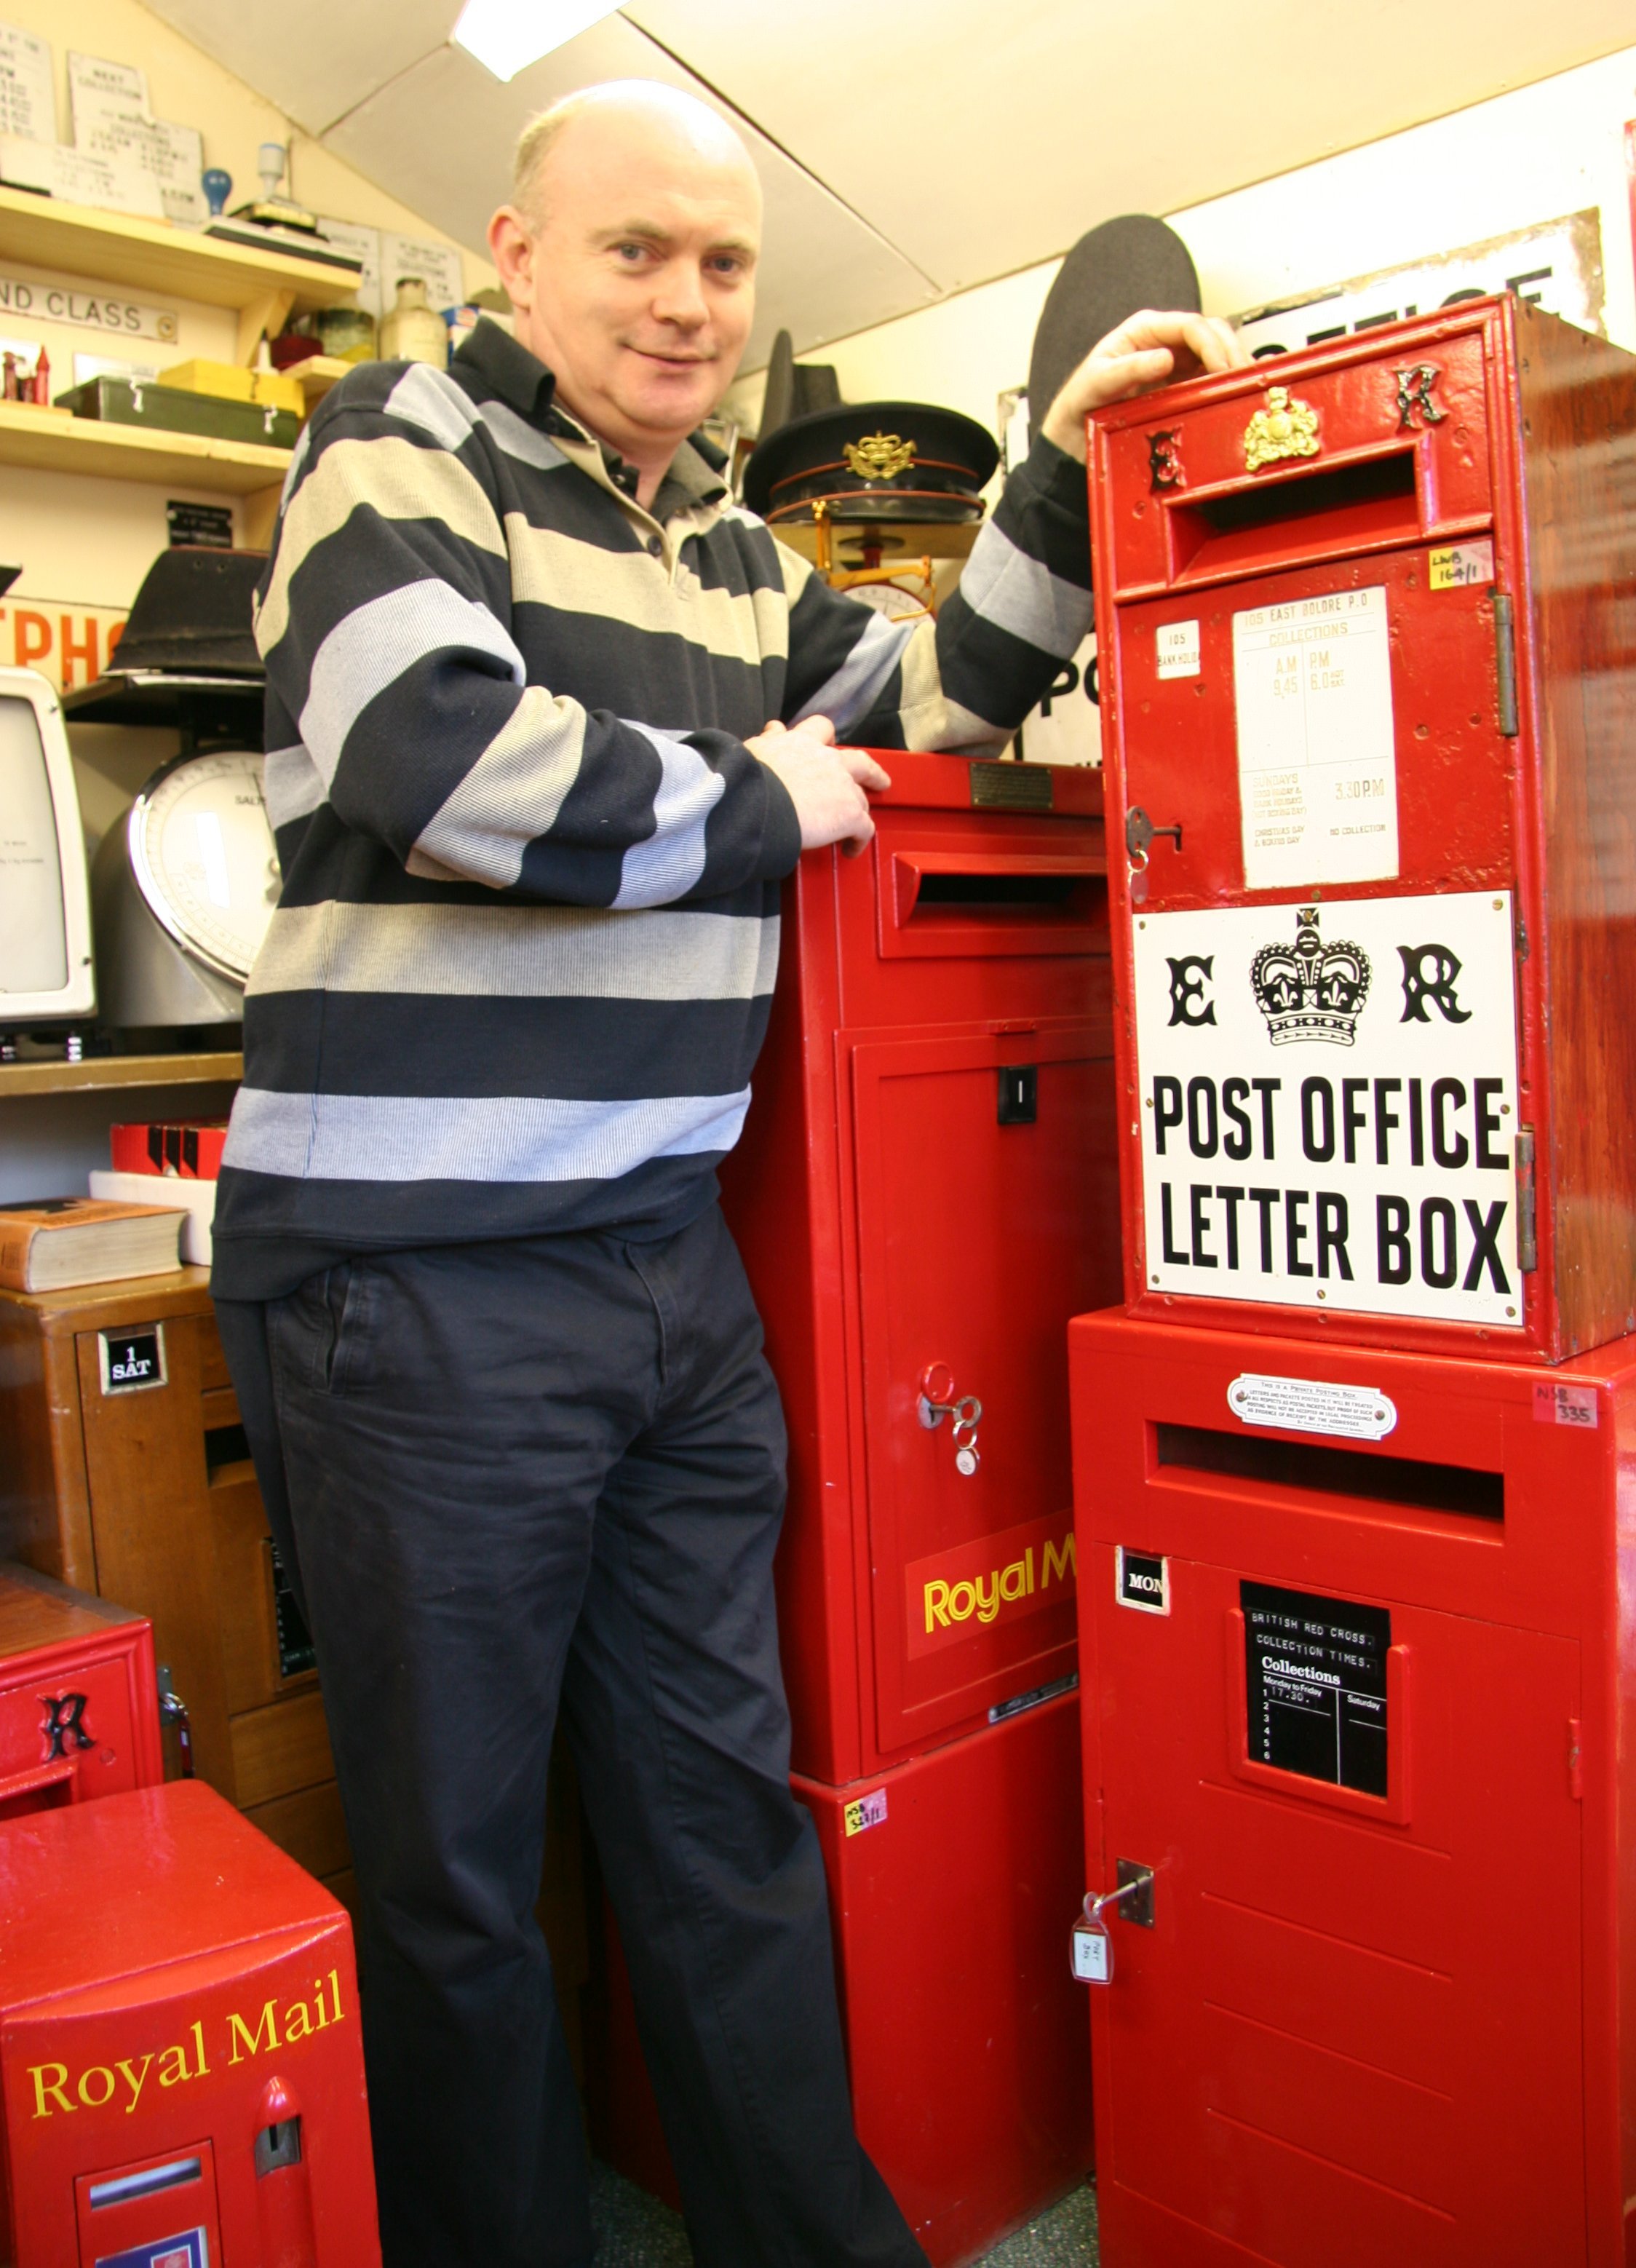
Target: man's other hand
[
  {"x": 825, "y": 784},
  {"x": 1148, "y": 350}
]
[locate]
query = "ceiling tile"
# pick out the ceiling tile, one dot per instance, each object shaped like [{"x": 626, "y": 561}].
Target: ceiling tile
[
  {"x": 441, "y": 136},
  {"x": 311, "y": 58},
  {"x": 980, "y": 139}
]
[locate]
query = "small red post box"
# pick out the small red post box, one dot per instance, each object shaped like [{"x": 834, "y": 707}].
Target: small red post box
[
  {"x": 1368, "y": 708},
  {"x": 180, "y": 2072},
  {"x": 925, "y": 1191},
  {"x": 1359, "y": 1707},
  {"x": 79, "y": 1704},
  {"x": 965, "y": 2035}
]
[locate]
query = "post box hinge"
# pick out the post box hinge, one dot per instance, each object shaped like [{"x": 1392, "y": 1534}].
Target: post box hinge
[
  {"x": 1506, "y": 661},
  {"x": 1528, "y": 1225},
  {"x": 1576, "y": 1759}
]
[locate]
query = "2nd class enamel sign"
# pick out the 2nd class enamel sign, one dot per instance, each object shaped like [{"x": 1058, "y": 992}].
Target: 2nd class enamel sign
[{"x": 1328, "y": 1105}]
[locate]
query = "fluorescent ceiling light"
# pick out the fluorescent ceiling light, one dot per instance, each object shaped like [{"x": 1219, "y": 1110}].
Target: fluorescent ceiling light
[{"x": 505, "y": 36}]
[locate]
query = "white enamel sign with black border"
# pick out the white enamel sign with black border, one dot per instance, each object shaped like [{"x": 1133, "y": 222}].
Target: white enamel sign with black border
[{"x": 1328, "y": 1105}]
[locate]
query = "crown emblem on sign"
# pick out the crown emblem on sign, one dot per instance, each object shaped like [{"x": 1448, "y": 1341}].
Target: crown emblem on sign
[
  {"x": 880, "y": 456},
  {"x": 1285, "y": 427},
  {"x": 1310, "y": 990}
]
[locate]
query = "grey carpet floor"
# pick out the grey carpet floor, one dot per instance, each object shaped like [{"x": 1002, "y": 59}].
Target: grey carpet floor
[{"x": 634, "y": 2230}]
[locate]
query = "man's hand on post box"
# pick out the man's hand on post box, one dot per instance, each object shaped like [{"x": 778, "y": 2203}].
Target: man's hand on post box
[
  {"x": 825, "y": 784},
  {"x": 1147, "y": 350}
]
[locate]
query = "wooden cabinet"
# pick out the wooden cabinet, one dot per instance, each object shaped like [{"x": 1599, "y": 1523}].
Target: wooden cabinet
[{"x": 145, "y": 1494}]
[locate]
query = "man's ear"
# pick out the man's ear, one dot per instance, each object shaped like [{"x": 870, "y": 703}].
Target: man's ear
[{"x": 511, "y": 248}]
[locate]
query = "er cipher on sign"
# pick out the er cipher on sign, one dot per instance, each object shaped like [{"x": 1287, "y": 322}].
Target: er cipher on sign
[{"x": 1328, "y": 1097}]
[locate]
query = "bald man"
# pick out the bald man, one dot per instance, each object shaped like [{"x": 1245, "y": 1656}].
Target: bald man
[{"x": 548, "y": 719}]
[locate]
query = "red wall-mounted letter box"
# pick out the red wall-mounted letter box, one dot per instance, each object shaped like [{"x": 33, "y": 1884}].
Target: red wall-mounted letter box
[{"x": 1368, "y": 705}]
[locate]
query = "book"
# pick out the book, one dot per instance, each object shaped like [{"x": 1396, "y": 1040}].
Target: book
[
  {"x": 187, "y": 1149},
  {"x": 52, "y": 1243},
  {"x": 197, "y": 1197}
]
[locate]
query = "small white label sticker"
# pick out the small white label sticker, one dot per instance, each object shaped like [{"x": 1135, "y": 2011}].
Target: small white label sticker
[
  {"x": 867, "y": 1811},
  {"x": 1311, "y": 1405},
  {"x": 1091, "y": 1964},
  {"x": 1317, "y": 762},
  {"x": 1460, "y": 563},
  {"x": 1555, "y": 1404},
  {"x": 1178, "y": 649}
]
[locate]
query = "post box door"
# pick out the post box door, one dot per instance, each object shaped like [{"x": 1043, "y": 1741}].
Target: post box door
[
  {"x": 1356, "y": 702},
  {"x": 1353, "y": 2033},
  {"x": 977, "y": 1241}
]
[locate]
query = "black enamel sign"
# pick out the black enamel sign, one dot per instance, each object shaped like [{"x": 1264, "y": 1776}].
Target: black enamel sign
[{"x": 1315, "y": 1673}]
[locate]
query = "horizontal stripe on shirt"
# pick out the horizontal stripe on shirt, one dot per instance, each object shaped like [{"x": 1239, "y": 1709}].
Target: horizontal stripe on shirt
[
  {"x": 398, "y": 1137},
  {"x": 519, "y": 952}
]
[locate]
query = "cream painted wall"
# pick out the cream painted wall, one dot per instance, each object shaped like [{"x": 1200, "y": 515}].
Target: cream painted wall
[
  {"x": 1554, "y": 148},
  {"x": 87, "y": 542}
]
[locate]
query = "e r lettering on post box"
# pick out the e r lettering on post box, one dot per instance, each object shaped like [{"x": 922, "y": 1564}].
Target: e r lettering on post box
[{"x": 1328, "y": 1105}]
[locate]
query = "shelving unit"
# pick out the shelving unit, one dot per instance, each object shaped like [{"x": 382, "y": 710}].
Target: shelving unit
[
  {"x": 316, "y": 375},
  {"x": 147, "y": 255},
  {"x": 33, "y": 438},
  {"x": 108, "y": 1073}
]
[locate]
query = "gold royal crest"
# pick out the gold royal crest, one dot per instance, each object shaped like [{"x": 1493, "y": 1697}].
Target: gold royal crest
[
  {"x": 880, "y": 456},
  {"x": 1285, "y": 427}
]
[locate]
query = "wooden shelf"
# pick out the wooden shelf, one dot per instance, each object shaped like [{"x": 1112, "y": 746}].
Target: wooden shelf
[
  {"x": 48, "y": 444},
  {"x": 316, "y": 375},
  {"x": 220, "y": 1070},
  {"x": 149, "y": 255}
]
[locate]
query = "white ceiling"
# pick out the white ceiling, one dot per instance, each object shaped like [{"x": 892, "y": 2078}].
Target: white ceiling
[{"x": 909, "y": 150}]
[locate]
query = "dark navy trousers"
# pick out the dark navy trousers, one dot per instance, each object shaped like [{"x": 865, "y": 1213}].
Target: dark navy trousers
[{"x": 541, "y": 1477}]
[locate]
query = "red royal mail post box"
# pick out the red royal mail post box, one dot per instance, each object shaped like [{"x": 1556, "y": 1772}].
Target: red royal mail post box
[
  {"x": 1358, "y": 1691},
  {"x": 1367, "y": 707},
  {"x": 79, "y": 1704},
  {"x": 181, "y": 2074},
  {"x": 927, "y": 1191}
]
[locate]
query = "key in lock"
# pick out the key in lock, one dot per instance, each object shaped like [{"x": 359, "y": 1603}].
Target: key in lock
[{"x": 938, "y": 1400}]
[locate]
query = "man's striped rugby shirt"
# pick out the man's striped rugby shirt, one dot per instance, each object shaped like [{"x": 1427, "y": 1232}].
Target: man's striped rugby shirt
[{"x": 520, "y": 967}]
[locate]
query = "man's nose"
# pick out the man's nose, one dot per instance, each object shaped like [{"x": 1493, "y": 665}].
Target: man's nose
[{"x": 680, "y": 297}]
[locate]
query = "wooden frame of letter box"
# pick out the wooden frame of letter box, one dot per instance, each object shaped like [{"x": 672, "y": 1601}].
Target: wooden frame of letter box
[{"x": 1533, "y": 453}]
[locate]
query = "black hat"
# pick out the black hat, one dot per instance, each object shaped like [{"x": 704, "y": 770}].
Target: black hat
[
  {"x": 195, "y": 612},
  {"x": 188, "y": 652},
  {"x": 795, "y": 388},
  {"x": 872, "y": 460},
  {"x": 1117, "y": 268}
]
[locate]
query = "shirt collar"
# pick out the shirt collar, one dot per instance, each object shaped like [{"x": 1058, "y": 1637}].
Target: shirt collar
[{"x": 504, "y": 365}]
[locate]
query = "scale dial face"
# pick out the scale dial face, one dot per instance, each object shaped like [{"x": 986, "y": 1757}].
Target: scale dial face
[{"x": 204, "y": 855}]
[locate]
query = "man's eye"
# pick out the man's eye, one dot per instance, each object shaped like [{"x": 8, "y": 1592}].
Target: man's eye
[{"x": 631, "y": 252}]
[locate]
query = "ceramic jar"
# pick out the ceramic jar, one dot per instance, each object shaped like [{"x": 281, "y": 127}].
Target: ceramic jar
[{"x": 414, "y": 332}]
